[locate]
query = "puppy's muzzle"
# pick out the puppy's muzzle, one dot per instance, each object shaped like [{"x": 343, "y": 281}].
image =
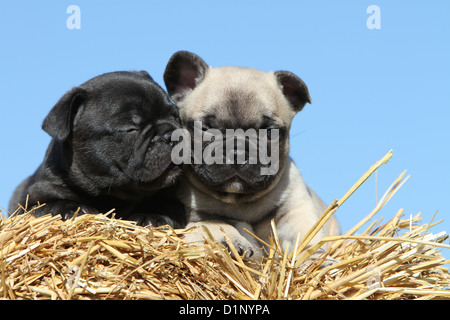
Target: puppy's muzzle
[
  {"x": 164, "y": 133},
  {"x": 245, "y": 152}
]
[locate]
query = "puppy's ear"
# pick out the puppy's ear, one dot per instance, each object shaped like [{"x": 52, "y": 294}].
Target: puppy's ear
[
  {"x": 294, "y": 89},
  {"x": 59, "y": 122},
  {"x": 184, "y": 71},
  {"x": 145, "y": 75}
]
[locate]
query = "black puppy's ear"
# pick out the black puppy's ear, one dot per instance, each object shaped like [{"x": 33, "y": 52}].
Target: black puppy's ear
[
  {"x": 184, "y": 71},
  {"x": 59, "y": 122},
  {"x": 294, "y": 89},
  {"x": 145, "y": 75}
]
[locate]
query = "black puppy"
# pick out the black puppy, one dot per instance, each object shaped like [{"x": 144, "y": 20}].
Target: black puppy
[{"x": 111, "y": 148}]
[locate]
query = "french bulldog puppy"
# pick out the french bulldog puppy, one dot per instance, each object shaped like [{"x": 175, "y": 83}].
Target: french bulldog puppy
[
  {"x": 111, "y": 148},
  {"x": 230, "y": 195}
]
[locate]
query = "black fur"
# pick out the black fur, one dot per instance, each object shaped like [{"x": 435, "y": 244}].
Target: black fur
[{"x": 111, "y": 148}]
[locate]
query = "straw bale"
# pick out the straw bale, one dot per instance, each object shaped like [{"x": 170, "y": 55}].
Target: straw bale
[{"x": 100, "y": 257}]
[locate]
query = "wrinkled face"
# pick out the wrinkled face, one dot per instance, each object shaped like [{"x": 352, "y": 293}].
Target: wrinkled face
[
  {"x": 121, "y": 136},
  {"x": 244, "y": 120},
  {"x": 251, "y": 108}
]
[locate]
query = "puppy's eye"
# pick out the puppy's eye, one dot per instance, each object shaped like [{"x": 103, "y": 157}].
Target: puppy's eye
[
  {"x": 129, "y": 129},
  {"x": 197, "y": 124},
  {"x": 268, "y": 132}
]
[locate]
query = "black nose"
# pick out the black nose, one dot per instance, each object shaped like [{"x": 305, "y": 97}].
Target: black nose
[
  {"x": 167, "y": 138},
  {"x": 237, "y": 158},
  {"x": 240, "y": 158},
  {"x": 164, "y": 137},
  {"x": 165, "y": 130}
]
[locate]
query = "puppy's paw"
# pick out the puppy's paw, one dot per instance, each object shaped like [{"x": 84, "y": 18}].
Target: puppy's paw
[
  {"x": 195, "y": 238},
  {"x": 243, "y": 247},
  {"x": 155, "y": 220},
  {"x": 318, "y": 256},
  {"x": 67, "y": 209},
  {"x": 224, "y": 234},
  {"x": 329, "y": 261}
]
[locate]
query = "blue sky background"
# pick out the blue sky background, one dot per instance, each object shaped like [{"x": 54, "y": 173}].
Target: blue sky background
[{"x": 372, "y": 90}]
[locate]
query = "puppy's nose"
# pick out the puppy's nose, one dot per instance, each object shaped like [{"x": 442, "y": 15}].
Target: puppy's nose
[
  {"x": 164, "y": 132},
  {"x": 164, "y": 137},
  {"x": 240, "y": 158},
  {"x": 167, "y": 137}
]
